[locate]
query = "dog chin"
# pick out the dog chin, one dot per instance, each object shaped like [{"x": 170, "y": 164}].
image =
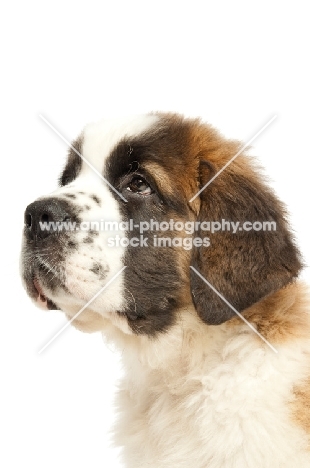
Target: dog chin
[
  {"x": 88, "y": 321},
  {"x": 91, "y": 321},
  {"x": 97, "y": 317}
]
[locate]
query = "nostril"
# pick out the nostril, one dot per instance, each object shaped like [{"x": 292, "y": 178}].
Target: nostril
[{"x": 28, "y": 220}]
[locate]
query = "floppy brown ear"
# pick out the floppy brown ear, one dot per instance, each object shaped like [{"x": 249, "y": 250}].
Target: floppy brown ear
[{"x": 246, "y": 266}]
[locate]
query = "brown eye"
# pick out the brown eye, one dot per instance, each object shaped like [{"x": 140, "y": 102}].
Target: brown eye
[{"x": 140, "y": 186}]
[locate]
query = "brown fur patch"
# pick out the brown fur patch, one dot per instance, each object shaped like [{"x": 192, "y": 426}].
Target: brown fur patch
[
  {"x": 300, "y": 406},
  {"x": 162, "y": 179},
  {"x": 282, "y": 316}
]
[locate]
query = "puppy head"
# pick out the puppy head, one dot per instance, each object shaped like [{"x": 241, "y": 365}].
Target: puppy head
[{"x": 151, "y": 168}]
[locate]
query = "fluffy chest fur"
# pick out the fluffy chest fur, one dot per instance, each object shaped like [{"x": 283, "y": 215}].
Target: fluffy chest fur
[{"x": 216, "y": 398}]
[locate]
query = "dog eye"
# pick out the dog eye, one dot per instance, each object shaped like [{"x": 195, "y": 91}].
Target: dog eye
[{"x": 139, "y": 185}]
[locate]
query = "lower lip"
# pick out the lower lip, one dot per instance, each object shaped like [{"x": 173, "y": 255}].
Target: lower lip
[{"x": 41, "y": 299}]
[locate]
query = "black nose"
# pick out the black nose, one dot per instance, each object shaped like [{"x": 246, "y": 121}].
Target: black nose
[{"x": 43, "y": 216}]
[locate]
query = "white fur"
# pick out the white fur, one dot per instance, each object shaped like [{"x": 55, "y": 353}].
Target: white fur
[
  {"x": 215, "y": 396},
  {"x": 101, "y": 137}
]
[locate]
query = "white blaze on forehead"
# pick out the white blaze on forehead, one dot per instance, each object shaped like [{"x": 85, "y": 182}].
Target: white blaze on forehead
[{"x": 101, "y": 137}]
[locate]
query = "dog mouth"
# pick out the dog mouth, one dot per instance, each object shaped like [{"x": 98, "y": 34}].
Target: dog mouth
[{"x": 40, "y": 297}]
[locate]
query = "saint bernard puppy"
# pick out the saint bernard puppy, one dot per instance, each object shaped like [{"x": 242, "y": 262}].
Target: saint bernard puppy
[{"x": 212, "y": 324}]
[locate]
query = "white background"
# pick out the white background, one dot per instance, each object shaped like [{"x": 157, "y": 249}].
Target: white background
[{"x": 235, "y": 64}]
